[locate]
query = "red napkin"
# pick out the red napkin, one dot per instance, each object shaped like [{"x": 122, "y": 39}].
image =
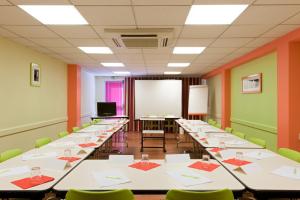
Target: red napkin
[
  {"x": 204, "y": 166},
  {"x": 26, "y": 183},
  {"x": 69, "y": 159},
  {"x": 215, "y": 150},
  {"x": 144, "y": 166},
  {"x": 91, "y": 144},
  {"x": 236, "y": 162}
]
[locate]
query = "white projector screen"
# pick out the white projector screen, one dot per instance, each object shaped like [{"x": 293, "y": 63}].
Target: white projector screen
[
  {"x": 158, "y": 97},
  {"x": 198, "y": 99}
]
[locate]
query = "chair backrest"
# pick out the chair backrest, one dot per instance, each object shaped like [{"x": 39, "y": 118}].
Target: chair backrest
[
  {"x": 217, "y": 125},
  {"x": 239, "y": 134},
  {"x": 107, "y": 195},
  {"x": 85, "y": 125},
  {"x": 10, "y": 154},
  {"x": 75, "y": 129},
  {"x": 290, "y": 154},
  {"x": 42, "y": 141},
  {"x": 224, "y": 194},
  {"x": 62, "y": 134},
  {"x": 258, "y": 141},
  {"x": 211, "y": 121},
  {"x": 229, "y": 130}
]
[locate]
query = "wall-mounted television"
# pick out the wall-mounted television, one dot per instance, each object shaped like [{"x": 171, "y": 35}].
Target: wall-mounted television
[{"x": 106, "y": 108}]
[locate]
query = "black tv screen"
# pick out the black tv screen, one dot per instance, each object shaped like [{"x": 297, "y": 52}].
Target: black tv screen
[{"x": 106, "y": 108}]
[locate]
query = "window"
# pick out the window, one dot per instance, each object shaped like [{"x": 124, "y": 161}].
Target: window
[{"x": 115, "y": 93}]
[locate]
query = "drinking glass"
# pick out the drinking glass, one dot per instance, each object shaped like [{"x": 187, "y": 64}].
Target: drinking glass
[
  {"x": 145, "y": 158},
  {"x": 67, "y": 152},
  {"x": 239, "y": 155},
  {"x": 205, "y": 157},
  {"x": 222, "y": 145},
  {"x": 35, "y": 174}
]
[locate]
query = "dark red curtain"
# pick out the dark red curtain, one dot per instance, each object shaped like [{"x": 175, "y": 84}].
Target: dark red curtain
[{"x": 129, "y": 87}]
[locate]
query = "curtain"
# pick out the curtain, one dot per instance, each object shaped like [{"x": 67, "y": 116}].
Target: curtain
[
  {"x": 129, "y": 87},
  {"x": 114, "y": 93}
]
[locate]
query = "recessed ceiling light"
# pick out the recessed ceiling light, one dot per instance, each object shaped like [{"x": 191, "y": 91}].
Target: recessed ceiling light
[
  {"x": 112, "y": 64},
  {"x": 122, "y": 72},
  {"x": 178, "y": 64},
  {"x": 188, "y": 50},
  {"x": 214, "y": 14},
  {"x": 55, "y": 14},
  {"x": 172, "y": 73},
  {"x": 96, "y": 50}
]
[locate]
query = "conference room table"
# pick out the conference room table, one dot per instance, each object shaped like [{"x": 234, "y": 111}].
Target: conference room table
[
  {"x": 208, "y": 136},
  {"x": 54, "y": 160},
  {"x": 263, "y": 172},
  {"x": 163, "y": 177}
]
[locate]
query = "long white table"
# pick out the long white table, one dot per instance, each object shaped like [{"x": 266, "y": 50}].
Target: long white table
[
  {"x": 153, "y": 181},
  {"x": 50, "y": 165},
  {"x": 261, "y": 180},
  {"x": 208, "y": 136}
]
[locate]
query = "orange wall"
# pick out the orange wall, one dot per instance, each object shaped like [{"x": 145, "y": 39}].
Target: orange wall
[
  {"x": 74, "y": 96},
  {"x": 288, "y": 70}
]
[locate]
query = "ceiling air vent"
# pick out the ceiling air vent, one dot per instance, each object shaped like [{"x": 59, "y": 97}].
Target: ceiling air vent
[{"x": 141, "y": 38}]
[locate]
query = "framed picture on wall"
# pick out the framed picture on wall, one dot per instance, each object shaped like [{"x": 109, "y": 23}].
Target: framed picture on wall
[
  {"x": 35, "y": 75},
  {"x": 252, "y": 84}
]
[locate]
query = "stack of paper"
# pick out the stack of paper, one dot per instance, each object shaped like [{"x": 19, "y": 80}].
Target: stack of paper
[
  {"x": 62, "y": 144},
  {"x": 34, "y": 156},
  {"x": 110, "y": 178},
  {"x": 288, "y": 172},
  {"x": 188, "y": 177},
  {"x": 14, "y": 171},
  {"x": 259, "y": 154}
]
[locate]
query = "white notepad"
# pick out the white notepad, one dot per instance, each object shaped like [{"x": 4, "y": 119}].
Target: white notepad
[
  {"x": 288, "y": 172},
  {"x": 14, "y": 171},
  {"x": 177, "y": 158},
  {"x": 110, "y": 178},
  {"x": 259, "y": 155},
  {"x": 188, "y": 177},
  {"x": 34, "y": 156}
]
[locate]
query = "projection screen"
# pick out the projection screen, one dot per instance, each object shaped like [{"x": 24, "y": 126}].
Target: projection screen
[{"x": 158, "y": 98}]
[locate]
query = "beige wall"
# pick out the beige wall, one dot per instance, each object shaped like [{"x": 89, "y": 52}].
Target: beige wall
[
  {"x": 29, "y": 112},
  {"x": 88, "y": 104}
]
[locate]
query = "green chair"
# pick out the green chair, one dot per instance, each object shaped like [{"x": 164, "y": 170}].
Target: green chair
[
  {"x": 85, "y": 125},
  {"x": 258, "y": 141},
  {"x": 62, "y": 134},
  {"x": 217, "y": 125},
  {"x": 42, "y": 141},
  {"x": 211, "y": 122},
  {"x": 239, "y": 134},
  {"x": 229, "y": 130},
  {"x": 290, "y": 154},
  {"x": 75, "y": 129},
  {"x": 10, "y": 154},
  {"x": 107, "y": 195},
  {"x": 224, "y": 194}
]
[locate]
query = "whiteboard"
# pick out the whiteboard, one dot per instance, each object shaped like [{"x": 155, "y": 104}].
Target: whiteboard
[
  {"x": 158, "y": 98},
  {"x": 198, "y": 99}
]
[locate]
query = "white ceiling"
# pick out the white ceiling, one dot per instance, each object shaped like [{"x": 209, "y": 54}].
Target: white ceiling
[{"x": 260, "y": 23}]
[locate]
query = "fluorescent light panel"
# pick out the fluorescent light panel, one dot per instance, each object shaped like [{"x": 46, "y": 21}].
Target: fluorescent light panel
[
  {"x": 178, "y": 64},
  {"x": 214, "y": 14},
  {"x": 96, "y": 50},
  {"x": 55, "y": 14},
  {"x": 188, "y": 50},
  {"x": 172, "y": 73},
  {"x": 122, "y": 72},
  {"x": 117, "y": 64}
]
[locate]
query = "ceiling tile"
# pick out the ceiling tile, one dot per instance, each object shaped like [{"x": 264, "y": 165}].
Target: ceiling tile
[
  {"x": 104, "y": 57},
  {"x": 16, "y": 16},
  {"x": 161, "y": 15},
  {"x": 162, "y": 50},
  {"x": 245, "y": 30},
  {"x": 42, "y": 49},
  {"x": 51, "y": 42},
  {"x": 65, "y": 50},
  {"x": 36, "y": 2},
  {"x": 194, "y": 42},
  {"x": 108, "y": 15},
  {"x": 205, "y": 31},
  {"x": 266, "y": 14},
  {"x": 293, "y": 20},
  {"x": 123, "y": 50},
  {"x": 182, "y": 58},
  {"x": 131, "y": 57},
  {"x": 32, "y": 31},
  {"x": 223, "y": 2},
  {"x": 280, "y": 30},
  {"x": 218, "y": 50},
  {"x": 231, "y": 42},
  {"x": 4, "y": 3},
  {"x": 157, "y": 57},
  {"x": 243, "y": 50},
  {"x": 86, "y": 42},
  {"x": 24, "y": 41},
  {"x": 258, "y": 42},
  {"x": 74, "y": 31},
  {"x": 101, "y": 2},
  {"x": 6, "y": 33},
  {"x": 285, "y": 2},
  {"x": 208, "y": 58},
  {"x": 162, "y": 2}
]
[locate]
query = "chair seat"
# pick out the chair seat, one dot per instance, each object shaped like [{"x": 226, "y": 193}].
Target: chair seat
[{"x": 153, "y": 132}]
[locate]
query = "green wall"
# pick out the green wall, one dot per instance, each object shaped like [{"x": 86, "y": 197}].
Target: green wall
[
  {"x": 256, "y": 114},
  {"x": 215, "y": 98}
]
